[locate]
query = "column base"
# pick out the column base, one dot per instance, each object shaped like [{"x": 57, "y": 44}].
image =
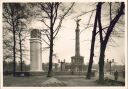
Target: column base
[{"x": 37, "y": 73}]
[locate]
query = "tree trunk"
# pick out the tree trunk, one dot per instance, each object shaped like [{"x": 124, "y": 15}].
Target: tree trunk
[
  {"x": 14, "y": 52},
  {"x": 51, "y": 43},
  {"x": 21, "y": 60},
  {"x": 92, "y": 48},
  {"x": 50, "y": 57},
  {"x": 91, "y": 59},
  {"x": 14, "y": 38},
  {"x": 101, "y": 62}
]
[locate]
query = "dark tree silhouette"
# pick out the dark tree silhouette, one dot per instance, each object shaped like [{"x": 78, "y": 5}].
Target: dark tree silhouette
[
  {"x": 104, "y": 40},
  {"x": 88, "y": 76}
]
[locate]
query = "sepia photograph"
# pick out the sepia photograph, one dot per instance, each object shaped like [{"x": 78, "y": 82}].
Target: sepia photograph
[{"x": 64, "y": 44}]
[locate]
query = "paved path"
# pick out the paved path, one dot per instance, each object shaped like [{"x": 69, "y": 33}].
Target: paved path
[
  {"x": 77, "y": 81},
  {"x": 112, "y": 77}
]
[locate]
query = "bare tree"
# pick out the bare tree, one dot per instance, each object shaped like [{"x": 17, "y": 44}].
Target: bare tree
[
  {"x": 22, "y": 34},
  {"x": 104, "y": 39},
  {"x": 52, "y": 14},
  {"x": 92, "y": 47}
]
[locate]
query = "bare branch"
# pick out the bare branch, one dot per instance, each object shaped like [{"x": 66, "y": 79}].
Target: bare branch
[
  {"x": 44, "y": 9},
  {"x": 89, "y": 26},
  {"x": 42, "y": 20},
  {"x": 46, "y": 33},
  {"x": 48, "y": 37},
  {"x": 102, "y": 29},
  {"x": 114, "y": 21},
  {"x": 99, "y": 21},
  {"x": 61, "y": 19},
  {"x": 110, "y": 37},
  {"x": 55, "y": 13},
  {"x": 84, "y": 13},
  {"x": 88, "y": 22},
  {"x": 110, "y": 11},
  {"x": 46, "y": 42}
]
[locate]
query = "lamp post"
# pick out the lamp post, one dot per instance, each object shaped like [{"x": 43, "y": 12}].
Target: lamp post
[
  {"x": 61, "y": 63},
  {"x": 21, "y": 65},
  {"x": 110, "y": 64}
]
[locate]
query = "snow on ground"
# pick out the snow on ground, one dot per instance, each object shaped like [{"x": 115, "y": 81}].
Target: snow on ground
[{"x": 53, "y": 82}]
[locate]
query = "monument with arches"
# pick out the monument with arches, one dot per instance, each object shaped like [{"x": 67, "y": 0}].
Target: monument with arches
[{"x": 35, "y": 51}]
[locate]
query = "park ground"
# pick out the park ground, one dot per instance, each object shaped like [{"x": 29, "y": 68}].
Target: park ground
[{"x": 59, "y": 81}]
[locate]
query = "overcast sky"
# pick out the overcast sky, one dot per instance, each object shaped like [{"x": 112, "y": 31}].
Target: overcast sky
[{"x": 64, "y": 46}]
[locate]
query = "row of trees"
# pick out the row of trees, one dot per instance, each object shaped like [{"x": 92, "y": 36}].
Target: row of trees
[
  {"x": 8, "y": 67},
  {"x": 52, "y": 14},
  {"x": 14, "y": 16}
]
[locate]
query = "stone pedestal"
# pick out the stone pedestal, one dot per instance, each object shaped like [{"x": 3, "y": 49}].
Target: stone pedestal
[
  {"x": 77, "y": 63},
  {"x": 35, "y": 51}
]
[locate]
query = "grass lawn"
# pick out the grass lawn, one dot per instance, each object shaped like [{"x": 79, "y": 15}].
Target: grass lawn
[
  {"x": 37, "y": 81},
  {"x": 32, "y": 81}
]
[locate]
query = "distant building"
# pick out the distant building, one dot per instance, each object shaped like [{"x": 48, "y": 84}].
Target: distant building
[{"x": 45, "y": 67}]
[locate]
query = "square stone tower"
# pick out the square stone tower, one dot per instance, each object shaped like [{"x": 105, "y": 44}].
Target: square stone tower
[{"x": 35, "y": 51}]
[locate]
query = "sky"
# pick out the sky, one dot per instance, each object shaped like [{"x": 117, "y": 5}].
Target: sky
[{"x": 64, "y": 46}]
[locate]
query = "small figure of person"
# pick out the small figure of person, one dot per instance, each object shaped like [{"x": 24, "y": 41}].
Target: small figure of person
[
  {"x": 72, "y": 72},
  {"x": 116, "y": 75}
]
